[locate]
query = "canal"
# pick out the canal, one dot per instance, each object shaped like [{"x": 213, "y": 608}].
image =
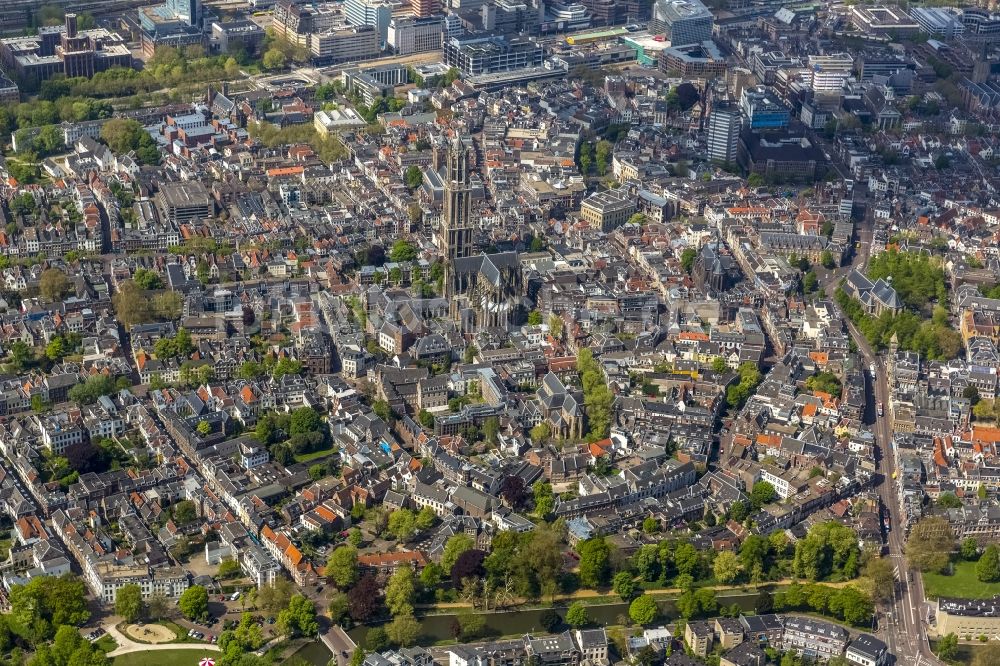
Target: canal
[{"x": 516, "y": 622}]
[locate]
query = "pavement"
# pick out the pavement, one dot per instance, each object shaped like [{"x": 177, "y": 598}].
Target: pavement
[
  {"x": 126, "y": 645},
  {"x": 903, "y": 627}
]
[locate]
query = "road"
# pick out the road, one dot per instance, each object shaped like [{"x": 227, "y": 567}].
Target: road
[{"x": 903, "y": 627}]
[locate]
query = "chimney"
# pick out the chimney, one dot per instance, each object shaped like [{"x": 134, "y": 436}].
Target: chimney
[{"x": 71, "y": 25}]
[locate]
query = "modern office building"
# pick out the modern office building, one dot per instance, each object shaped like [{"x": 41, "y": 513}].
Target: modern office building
[
  {"x": 779, "y": 156},
  {"x": 871, "y": 65},
  {"x": 184, "y": 202},
  {"x": 344, "y": 44},
  {"x": 175, "y": 23},
  {"x": 411, "y": 34},
  {"x": 968, "y": 617},
  {"x": 8, "y": 90},
  {"x": 830, "y": 72},
  {"x": 564, "y": 17},
  {"x": 884, "y": 20},
  {"x": 425, "y": 8},
  {"x": 682, "y": 21},
  {"x": 980, "y": 25},
  {"x": 326, "y": 31},
  {"x": 63, "y": 50},
  {"x": 375, "y": 13},
  {"x": 232, "y": 36},
  {"x": 938, "y": 22},
  {"x": 724, "y": 125},
  {"x": 703, "y": 60},
  {"x": 763, "y": 109},
  {"x": 484, "y": 55},
  {"x": 296, "y": 23}
]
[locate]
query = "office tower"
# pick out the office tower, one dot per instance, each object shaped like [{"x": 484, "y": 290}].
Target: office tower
[
  {"x": 724, "y": 125},
  {"x": 682, "y": 21},
  {"x": 425, "y": 8},
  {"x": 763, "y": 109},
  {"x": 376, "y": 13}
]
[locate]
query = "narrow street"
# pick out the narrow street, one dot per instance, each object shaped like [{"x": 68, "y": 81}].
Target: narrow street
[{"x": 903, "y": 626}]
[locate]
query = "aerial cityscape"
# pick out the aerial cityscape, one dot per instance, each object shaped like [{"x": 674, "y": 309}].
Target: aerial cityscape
[{"x": 499, "y": 332}]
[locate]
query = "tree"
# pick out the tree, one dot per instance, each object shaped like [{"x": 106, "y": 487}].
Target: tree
[
  {"x": 595, "y": 562},
  {"x": 453, "y": 548},
  {"x": 54, "y": 285},
  {"x": 399, "y": 592},
  {"x": 193, "y": 603},
  {"x": 45, "y": 603},
  {"x": 185, "y": 512},
  {"x": 726, "y": 567},
  {"x": 402, "y": 524},
  {"x": 624, "y": 585},
  {"x": 274, "y": 598},
  {"x": 576, "y": 615},
  {"x": 490, "y": 430},
  {"x": 468, "y": 565},
  {"x": 764, "y": 603},
  {"x": 512, "y": 490},
  {"x": 949, "y": 501},
  {"x": 157, "y": 607},
  {"x": 829, "y": 550},
  {"x": 228, "y": 568},
  {"x": 299, "y": 619},
  {"x": 881, "y": 575},
  {"x": 988, "y": 566},
  {"x": 541, "y": 433},
  {"x": 425, "y": 518},
  {"x": 49, "y": 140},
  {"x": 930, "y": 544},
  {"x": 403, "y": 630},
  {"x": 20, "y": 355},
  {"x": 827, "y": 260},
  {"x": 131, "y": 304},
  {"x": 969, "y": 549},
  {"x": 128, "y": 602},
  {"x": 122, "y": 135},
  {"x": 534, "y": 318},
  {"x": 762, "y": 493},
  {"x": 643, "y": 609},
  {"x": 687, "y": 560},
  {"x": 471, "y": 625},
  {"x": 947, "y": 647},
  {"x": 273, "y": 59},
  {"x": 687, "y": 259},
  {"x": 342, "y": 567},
  {"x": 549, "y": 619},
  {"x": 402, "y": 249},
  {"x": 377, "y": 639},
  {"x": 246, "y": 637},
  {"x": 413, "y": 178},
  {"x": 362, "y": 599}
]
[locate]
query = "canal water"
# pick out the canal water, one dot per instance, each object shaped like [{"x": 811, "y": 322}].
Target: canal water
[{"x": 515, "y": 622}]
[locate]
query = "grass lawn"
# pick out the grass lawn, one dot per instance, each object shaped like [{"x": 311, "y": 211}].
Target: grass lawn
[
  {"x": 308, "y": 457},
  {"x": 962, "y": 583},
  {"x": 178, "y": 657},
  {"x": 105, "y": 643}
]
